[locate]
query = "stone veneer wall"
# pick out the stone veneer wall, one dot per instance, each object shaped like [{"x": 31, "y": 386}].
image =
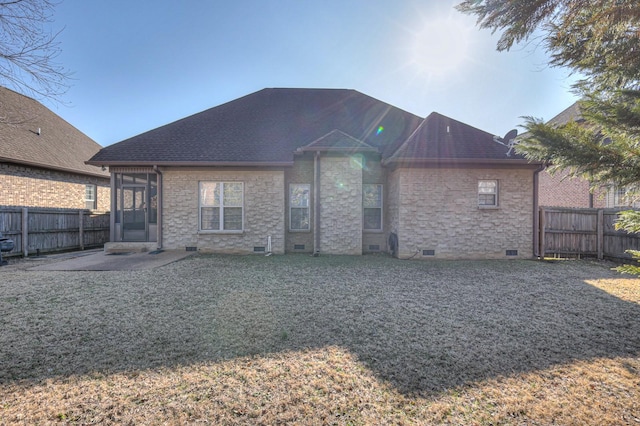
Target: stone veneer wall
[
  {"x": 36, "y": 187},
  {"x": 340, "y": 205},
  {"x": 301, "y": 172},
  {"x": 437, "y": 209},
  {"x": 263, "y": 211}
]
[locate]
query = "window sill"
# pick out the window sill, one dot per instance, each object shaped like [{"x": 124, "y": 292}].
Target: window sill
[
  {"x": 488, "y": 207},
  {"x": 373, "y": 231},
  {"x": 300, "y": 231},
  {"x": 207, "y": 232}
]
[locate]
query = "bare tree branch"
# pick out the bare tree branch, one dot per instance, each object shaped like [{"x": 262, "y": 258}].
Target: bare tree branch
[{"x": 28, "y": 50}]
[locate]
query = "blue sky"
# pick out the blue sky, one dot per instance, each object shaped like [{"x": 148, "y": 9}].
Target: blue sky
[{"x": 141, "y": 64}]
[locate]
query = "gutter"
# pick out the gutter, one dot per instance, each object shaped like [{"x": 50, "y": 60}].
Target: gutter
[
  {"x": 461, "y": 162},
  {"x": 57, "y": 168},
  {"x": 159, "y": 219},
  {"x": 192, "y": 163}
]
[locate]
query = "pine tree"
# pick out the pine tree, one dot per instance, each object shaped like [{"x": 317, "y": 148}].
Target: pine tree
[{"x": 600, "y": 41}]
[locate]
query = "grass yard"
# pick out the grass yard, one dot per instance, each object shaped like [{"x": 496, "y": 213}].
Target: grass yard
[{"x": 328, "y": 340}]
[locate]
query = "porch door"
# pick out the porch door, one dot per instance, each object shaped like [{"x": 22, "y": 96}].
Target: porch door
[{"x": 134, "y": 213}]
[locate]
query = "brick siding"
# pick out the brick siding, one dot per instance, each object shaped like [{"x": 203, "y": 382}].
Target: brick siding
[
  {"x": 341, "y": 205},
  {"x": 437, "y": 209},
  {"x": 263, "y": 211},
  {"x": 558, "y": 190},
  {"x": 37, "y": 187}
]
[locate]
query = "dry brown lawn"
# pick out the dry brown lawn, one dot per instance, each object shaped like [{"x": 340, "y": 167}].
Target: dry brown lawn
[{"x": 328, "y": 340}]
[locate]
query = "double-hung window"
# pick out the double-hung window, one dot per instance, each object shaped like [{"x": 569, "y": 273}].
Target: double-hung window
[
  {"x": 90, "y": 199},
  {"x": 221, "y": 206},
  {"x": 299, "y": 217},
  {"x": 372, "y": 207},
  {"x": 487, "y": 193}
]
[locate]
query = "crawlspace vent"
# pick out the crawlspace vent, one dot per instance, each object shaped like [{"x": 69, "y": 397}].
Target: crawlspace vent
[
  {"x": 374, "y": 247},
  {"x": 258, "y": 249},
  {"x": 428, "y": 252},
  {"x": 512, "y": 252},
  {"x": 298, "y": 246},
  {"x": 188, "y": 248}
]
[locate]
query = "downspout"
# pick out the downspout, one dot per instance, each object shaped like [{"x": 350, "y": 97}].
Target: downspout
[
  {"x": 316, "y": 204},
  {"x": 536, "y": 213},
  {"x": 159, "y": 218}
]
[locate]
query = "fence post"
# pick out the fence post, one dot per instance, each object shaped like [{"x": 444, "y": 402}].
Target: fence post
[
  {"x": 542, "y": 226},
  {"x": 25, "y": 231},
  {"x": 600, "y": 231},
  {"x": 81, "y": 229}
]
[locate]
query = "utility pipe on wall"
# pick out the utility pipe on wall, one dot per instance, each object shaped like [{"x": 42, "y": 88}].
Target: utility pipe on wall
[{"x": 536, "y": 213}]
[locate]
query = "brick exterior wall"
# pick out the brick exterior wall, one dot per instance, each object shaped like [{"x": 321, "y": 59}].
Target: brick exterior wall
[
  {"x": 263, "y": 211},
  {"x": 340, "y": 205},
  {"x": 437, "y": 209},
  {"x": 558, "y": 190},
  {"x": 36, "y": 187}
]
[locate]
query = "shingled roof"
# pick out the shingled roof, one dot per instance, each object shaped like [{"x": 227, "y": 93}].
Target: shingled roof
[
  {"x": 443, "y": 139},
  {"x": 572, "y": 113},
  {"x": 265, "y": 128},
  {"x": 33, "y": 135},
  {"x": 269, "y": 126}
]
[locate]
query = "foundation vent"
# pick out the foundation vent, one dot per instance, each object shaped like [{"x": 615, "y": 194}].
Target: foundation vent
[
  {"x": 512, "y": 252},
  {"x": 428, "y": 252},
  {"x": 259, "y": 250},
  {"x": 188, "y": 248},
  {"x": 298, "y": 246},
  {"x": 374, "y": 247}
]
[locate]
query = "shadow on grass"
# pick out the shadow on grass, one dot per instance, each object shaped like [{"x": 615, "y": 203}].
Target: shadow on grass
[{"x": 421, "y": 326}]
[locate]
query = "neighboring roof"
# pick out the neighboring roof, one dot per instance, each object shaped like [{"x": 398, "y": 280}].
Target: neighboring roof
[
  {"x": 269, "y": 126},
  {"x": 337, "y": 141},
  {"x": 572, "y": 113},
  {"x": 33, "y": 135},
  {"x": 443, "y": 139},
  {"x": 264, "y": 128}
]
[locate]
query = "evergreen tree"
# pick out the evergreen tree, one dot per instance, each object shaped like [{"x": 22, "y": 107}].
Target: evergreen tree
[{"x": 600, "y": 41}]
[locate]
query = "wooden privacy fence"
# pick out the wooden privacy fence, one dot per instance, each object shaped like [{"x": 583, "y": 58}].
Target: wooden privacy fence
[
  {"x": 44, "y": 230},
  {"x": 584, "y": 232}
]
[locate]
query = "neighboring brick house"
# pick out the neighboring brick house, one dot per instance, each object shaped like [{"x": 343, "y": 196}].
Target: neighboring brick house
[
  {"x": 560, "y": 190},
  {"x": 42, "y": 159},
  {"x": 326, "y": 171}
]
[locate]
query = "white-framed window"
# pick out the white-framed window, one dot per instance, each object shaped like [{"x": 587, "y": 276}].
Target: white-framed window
[
  {"x": 90, "y": 197},
  {"x": 372, "y": 207},
  {"x": 487, "y": 193},
  {"x": 221, "y": 206},
  {"x": 299, "y": 210}
]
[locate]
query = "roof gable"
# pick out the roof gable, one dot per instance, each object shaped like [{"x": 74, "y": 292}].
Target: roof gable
[
  {"x": 32, "y": 134},
  {"x": 441, "y": 138},
  {"x": 339, "y": 141}
]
